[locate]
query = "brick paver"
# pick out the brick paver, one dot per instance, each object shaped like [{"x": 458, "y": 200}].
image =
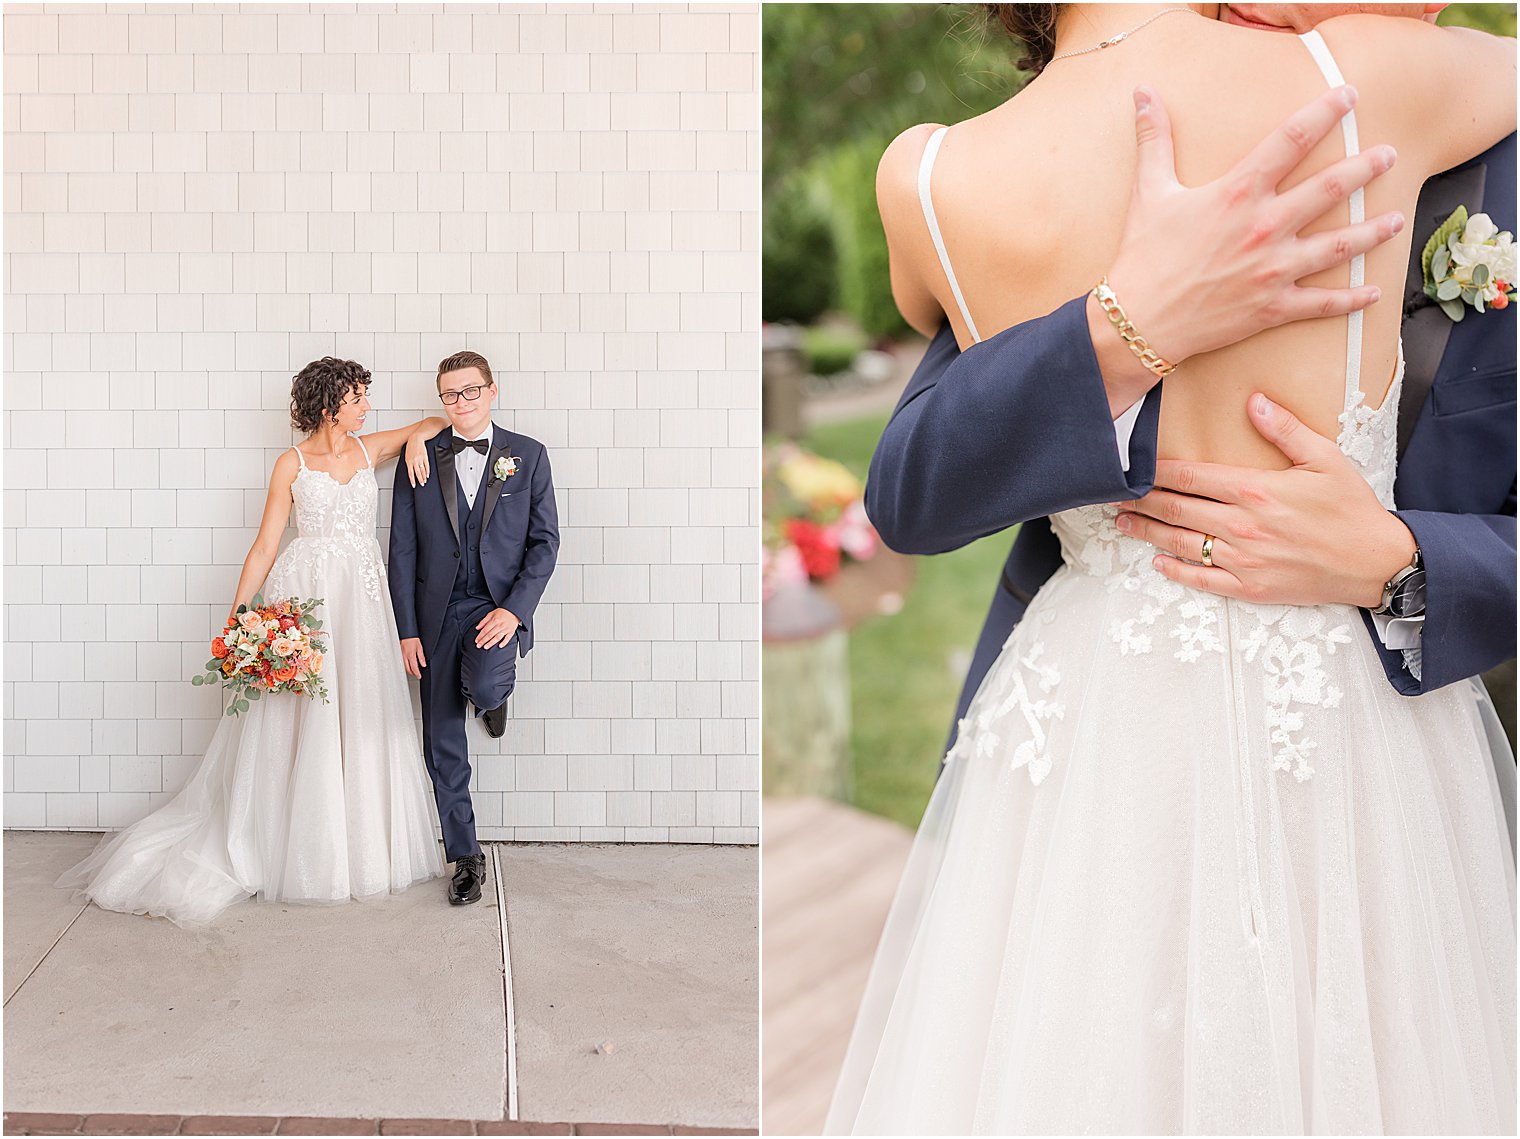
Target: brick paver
[
  {"x": 229, "y": 1125},
  {"x": 117, "y": 1124},
  {"x": 42, "y": 1122},
  {"x": 307, "y": 1125},
  {"x": 49, "y": 1123}
]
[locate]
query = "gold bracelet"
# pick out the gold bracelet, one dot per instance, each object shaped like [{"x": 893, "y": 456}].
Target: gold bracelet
[{"x": 1137, "y": 343}]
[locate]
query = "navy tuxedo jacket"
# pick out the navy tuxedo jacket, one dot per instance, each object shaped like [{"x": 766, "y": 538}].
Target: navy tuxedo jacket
[
  {"x": 519, "y": 536},
  {"x": 1018, "y": 427}
]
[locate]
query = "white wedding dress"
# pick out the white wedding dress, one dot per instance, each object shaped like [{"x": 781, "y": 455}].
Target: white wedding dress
[
  {"x": 296, "y": 800},
  {"x": 1194, "y": 866}
]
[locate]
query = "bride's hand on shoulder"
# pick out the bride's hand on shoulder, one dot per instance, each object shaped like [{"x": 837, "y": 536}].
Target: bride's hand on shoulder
[
  {"x": 385, "y": 445},
  {"x": 416, "y": 458}
]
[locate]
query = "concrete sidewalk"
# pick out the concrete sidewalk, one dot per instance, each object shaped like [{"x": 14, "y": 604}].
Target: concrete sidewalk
[{"x": 397, "y": 1009}]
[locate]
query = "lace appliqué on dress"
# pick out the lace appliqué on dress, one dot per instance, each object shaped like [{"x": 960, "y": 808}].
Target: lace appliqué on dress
[
  {"x": 1368, "y": 435},
  {"x": 334, "y": 519},
  {"x": 1011, "y": 691},
  {"x": 1293, "y": 643}
]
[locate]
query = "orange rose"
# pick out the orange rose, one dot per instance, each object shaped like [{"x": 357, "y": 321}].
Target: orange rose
[
  {"x": 219, "y": 648},
  {"x": 284, "y": 674},
  {"x": 226, "y": 668}
]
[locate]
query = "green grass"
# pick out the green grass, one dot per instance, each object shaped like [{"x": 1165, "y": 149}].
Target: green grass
[
  {"x": 906, "y": 669},
  {"x": 832, "y": 349}
]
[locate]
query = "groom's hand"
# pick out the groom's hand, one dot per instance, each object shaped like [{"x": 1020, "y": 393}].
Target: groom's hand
[
  {"x": 1313, "y": 534},
  {"x": 495, "y": 628},
  {"x": 1201, "y": 267},
  {"x": 411, "y": 656}
]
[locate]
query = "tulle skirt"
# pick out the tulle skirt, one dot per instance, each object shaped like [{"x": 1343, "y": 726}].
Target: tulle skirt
[
  {"x": 1195, "y": 866},
  {"x": 296, "y": 800}
]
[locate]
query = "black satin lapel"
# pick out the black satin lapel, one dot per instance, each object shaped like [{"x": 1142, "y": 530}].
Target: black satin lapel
[
  {"x": 448, "y": 480},
  {"x": 499, "y": 447},
  {"x": 1427, "y": 330}
]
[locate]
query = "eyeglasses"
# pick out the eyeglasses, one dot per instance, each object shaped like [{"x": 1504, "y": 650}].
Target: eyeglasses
[{"x": 471, "y": 393}]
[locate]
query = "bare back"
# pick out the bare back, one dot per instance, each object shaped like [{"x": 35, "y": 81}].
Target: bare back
[{"x": 1030, "y": 201}]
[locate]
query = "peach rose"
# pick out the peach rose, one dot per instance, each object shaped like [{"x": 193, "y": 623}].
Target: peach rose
[
  {"x": 283, "y": 647},
  {"x": 249, "y": 619},
  {"x": 316, "y": 662}
]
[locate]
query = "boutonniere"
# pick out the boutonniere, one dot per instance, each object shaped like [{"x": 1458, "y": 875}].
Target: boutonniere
[
  {"x": 506, "y": 467},
  {"x": 1468, "y": 261}
]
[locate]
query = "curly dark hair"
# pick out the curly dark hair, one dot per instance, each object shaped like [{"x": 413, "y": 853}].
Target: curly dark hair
[
  {"x": 1033, "y": 25},
  {"x": 320, "y": 388}
]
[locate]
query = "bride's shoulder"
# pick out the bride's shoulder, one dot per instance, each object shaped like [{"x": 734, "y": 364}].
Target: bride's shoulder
[
  {"x": 287, "y": 466},
  {"x": 897, "y": 172},
  {"x": 1405, "y": 67},
  {"x": 898, "y": 168}
]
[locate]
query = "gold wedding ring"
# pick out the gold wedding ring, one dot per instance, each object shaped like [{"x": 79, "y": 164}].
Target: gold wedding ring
[{"x": 1208, "y": 549}]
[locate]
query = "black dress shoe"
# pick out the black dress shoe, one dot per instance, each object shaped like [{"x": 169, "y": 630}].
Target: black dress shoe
[
  {"x": 469, "y": 873},
  {"x": 495, "y": 720}
]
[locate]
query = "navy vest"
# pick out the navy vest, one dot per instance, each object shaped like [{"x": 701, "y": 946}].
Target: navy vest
[{"x": 470, "y": 580}]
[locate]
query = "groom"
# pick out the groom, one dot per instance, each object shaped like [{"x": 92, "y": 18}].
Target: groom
[
  {"x": 935, "y": 485},
  {"x": 470, "y": 554}
]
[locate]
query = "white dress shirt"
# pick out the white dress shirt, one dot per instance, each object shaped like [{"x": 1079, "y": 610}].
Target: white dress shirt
[{"x": 470, "y": 464}]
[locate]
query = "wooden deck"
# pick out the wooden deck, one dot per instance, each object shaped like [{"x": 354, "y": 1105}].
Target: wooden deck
[{"x": 827, "y": 876}]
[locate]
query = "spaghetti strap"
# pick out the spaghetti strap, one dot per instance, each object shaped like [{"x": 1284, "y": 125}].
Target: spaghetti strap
[
  {"x": 300, "y": 458},
  {"x": 926, "y": 200},
  {"x": 1332, "y": 73},
  {"x": 367, "y": 461}
]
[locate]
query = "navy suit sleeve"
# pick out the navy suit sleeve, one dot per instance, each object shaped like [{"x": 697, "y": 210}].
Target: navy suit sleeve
[
  {"x": 402, "y": 569},
  {"x": 1014, "y": 428},
  {"x": 541, "y": 550},
  {"x": 1469, "y": 599}
]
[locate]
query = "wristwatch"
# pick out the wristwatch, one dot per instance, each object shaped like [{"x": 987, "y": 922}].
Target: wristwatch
[{"x": 1404, "y": 592}]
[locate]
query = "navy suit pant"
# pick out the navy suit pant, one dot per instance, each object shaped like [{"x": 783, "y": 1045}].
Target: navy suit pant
[{"x": 457, "y": 671}]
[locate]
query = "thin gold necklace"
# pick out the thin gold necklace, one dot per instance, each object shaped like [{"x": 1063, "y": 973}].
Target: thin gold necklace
[{"x": 1118, "y": 38}]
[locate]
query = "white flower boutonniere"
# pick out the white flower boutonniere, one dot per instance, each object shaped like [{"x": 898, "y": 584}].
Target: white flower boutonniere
[
  {"x": 506, "y": 467},
  {"x": 1468, "y": 261}
]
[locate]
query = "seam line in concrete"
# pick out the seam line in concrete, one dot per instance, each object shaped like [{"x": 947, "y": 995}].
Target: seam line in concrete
[
  {"x": 46, "y": 955},
  {"x": 506, "y": 986}
]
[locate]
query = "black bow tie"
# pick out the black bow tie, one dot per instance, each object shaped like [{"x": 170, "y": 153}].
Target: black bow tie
[{"x": 479, "y": 444}]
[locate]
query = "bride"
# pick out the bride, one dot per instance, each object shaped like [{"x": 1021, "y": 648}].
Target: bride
[
  {"x": 1192, "y": 864},
  {"x": 298, "y": 800}
]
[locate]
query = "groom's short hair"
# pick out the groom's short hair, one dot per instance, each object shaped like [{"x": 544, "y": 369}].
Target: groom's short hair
[{"x": 464, "y": 360}]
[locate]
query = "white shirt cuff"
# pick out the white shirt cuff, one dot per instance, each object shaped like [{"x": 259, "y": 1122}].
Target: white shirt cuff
[
  {"x": 1398, "y": 632},
  {"x": 1124, "y": 427},
  {"x": 1402, "y": 633}
]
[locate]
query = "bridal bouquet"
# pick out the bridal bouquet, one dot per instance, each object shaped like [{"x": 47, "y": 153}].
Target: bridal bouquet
[
  {"x": 272, "y": 647},
  {"x": 814, "y": 519}
]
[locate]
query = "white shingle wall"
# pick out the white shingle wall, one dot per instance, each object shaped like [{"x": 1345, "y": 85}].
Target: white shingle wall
[{"x": 197, "y": 202}]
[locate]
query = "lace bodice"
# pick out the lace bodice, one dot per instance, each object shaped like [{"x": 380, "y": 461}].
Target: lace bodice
[
  {"x": 334, "y": 518},
  {"x": 326, "y": 508}
]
